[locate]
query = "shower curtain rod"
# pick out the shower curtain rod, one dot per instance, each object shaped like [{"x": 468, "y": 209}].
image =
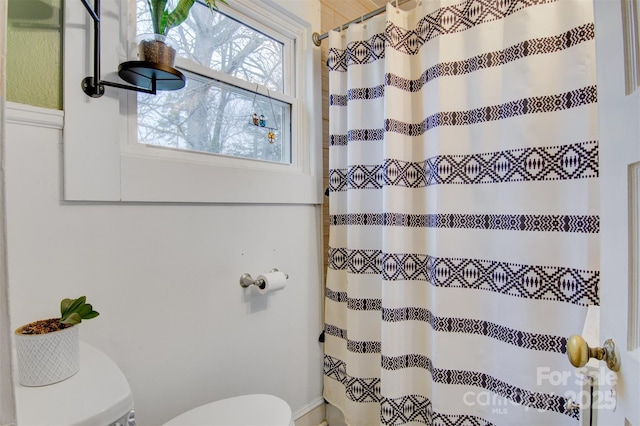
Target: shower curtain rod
[{"x": 317, "y": 38}]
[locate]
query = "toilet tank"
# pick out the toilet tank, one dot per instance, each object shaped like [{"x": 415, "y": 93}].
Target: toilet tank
[{"x": 97, "y": 395}]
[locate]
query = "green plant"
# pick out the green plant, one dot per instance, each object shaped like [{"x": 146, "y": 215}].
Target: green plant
[
  {"x": 73, "y": 311},
  {"x": 163, "y": 19}
]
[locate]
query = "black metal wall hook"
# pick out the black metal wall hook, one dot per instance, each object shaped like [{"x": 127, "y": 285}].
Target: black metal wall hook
[{"x": 146, "y": 77}]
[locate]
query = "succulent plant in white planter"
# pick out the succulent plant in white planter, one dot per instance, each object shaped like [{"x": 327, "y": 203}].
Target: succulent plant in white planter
[
  {"x": 157, "y": 47},
  {"x": 49, "y": 350}
]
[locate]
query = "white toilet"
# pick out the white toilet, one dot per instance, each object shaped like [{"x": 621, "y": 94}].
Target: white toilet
[
  {"x": 110, "y": 402},
  {"x": 98, "y": 395},
  {"x": 245, "y": 410}
]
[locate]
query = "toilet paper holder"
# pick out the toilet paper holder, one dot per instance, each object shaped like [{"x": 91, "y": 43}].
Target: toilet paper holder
[{"x": 247, "y": 281}]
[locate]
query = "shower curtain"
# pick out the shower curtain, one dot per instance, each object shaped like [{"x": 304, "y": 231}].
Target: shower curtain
[{"x": 464, "y": 212}]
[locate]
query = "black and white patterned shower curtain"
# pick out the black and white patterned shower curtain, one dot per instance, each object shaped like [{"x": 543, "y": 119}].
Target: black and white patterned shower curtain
[{"x": 464, "y": 212}]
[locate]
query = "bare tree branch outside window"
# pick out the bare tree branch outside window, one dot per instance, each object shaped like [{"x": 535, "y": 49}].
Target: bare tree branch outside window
[{"x": 211, "y": 116}]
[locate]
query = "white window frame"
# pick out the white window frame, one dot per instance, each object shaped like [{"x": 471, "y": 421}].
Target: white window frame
[
  {"x": 282, "y": 35},
  {"x": 104, "y": 162}
]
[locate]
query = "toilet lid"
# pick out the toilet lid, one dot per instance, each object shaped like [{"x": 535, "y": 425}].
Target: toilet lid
[{"x": 246, "y": 410}]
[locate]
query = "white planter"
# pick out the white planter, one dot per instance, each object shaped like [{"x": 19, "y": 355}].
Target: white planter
[{"x": 48, "y": 358}]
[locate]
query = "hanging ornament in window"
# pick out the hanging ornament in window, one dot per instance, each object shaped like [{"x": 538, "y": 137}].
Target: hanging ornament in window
[{"x": 261, "y": 120}]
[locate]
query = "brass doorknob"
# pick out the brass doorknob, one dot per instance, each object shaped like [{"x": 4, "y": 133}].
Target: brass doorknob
[{"x": 579, "y": 353}]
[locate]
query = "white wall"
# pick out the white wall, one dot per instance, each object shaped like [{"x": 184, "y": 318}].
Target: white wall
[
  {"x": 7, "y": 405},
  {"x": 165, "y": 279}
]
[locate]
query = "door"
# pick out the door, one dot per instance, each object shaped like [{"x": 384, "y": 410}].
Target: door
[{"x": 616, "y": 24}]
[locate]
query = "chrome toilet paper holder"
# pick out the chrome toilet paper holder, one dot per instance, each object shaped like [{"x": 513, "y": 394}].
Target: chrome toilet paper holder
[{"x": 247, "y": 281}]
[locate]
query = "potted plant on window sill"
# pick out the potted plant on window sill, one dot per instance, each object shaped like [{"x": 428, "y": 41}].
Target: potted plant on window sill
[
  {"x": 49, "y": 350},
  {"x": 157, "y": 47}
]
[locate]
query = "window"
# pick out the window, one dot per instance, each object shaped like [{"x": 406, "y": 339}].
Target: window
[
  {"x": 199, "y": 144},
  {"x": 215, "y": 112}
]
